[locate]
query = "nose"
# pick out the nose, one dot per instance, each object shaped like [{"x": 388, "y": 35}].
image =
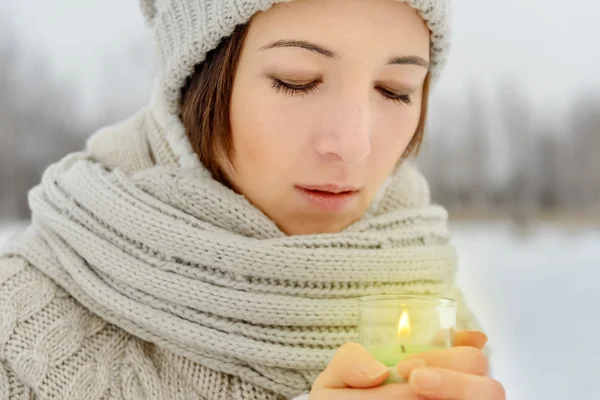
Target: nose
[{"x": 345, "y": 134}]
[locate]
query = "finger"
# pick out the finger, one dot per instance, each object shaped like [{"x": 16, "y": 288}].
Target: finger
[
  {"x": 405, "y": 367},
  {"x": 444, "y": 338},
  {"x": 475, "y": 339},
  {"x": 352, "y": 367},
  {"x": 462, "y": 359},
  {"x": 394, "y": 391},
  {"x": 443, "y": 384}
]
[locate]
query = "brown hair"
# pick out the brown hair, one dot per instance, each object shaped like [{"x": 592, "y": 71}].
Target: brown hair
[{"x": 205, "y": 105}]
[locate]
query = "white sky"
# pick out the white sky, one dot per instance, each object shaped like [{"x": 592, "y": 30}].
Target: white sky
[{"x": 550, "y": 47}]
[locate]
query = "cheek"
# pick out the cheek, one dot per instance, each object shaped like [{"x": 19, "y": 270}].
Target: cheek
[
  {"x": 267, "y": 137},
  {"x": 393, "y": 133}
]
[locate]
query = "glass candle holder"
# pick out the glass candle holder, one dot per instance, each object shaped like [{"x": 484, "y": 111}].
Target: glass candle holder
[{"x": 395, "y": 327}]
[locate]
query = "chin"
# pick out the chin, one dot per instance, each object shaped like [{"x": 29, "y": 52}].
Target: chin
[{"x": 317, "y": 224}]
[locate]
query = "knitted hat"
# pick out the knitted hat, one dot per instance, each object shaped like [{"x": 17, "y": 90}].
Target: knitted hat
[{"x": 185, "y": 30}]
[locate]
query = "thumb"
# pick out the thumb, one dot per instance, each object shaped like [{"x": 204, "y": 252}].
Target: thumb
[{"x": 352, "y": 367}]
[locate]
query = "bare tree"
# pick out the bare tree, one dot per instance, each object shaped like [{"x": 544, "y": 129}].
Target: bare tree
[
  {"x": 586, "y": 144},
  {"x": 35, "y": 129},
  {"x": 8, "y": 136},
  {"x": 549, "y": 198},
  {"x": 517, "y": 120},
  {"x": 477, "y": 151}
]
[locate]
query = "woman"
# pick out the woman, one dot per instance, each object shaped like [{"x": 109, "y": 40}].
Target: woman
[{"x": 213, "y": 245}]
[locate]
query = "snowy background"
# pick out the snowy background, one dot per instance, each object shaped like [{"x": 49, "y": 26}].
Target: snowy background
[{"x": 513, "y": 152}]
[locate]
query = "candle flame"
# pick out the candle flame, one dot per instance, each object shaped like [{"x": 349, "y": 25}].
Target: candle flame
[{"x": 404, "y": 325}]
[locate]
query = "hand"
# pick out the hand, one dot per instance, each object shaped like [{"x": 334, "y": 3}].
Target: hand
[
  {"x": 459, "y": 373},
  {"x": 353, "y": 374}
]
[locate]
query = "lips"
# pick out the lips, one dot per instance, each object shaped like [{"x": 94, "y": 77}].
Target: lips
[
  {"x": 328, "y": 198},
  {"x": 329, "y": 188}
]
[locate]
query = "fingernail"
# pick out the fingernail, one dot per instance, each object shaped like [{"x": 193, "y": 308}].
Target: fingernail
[
  {"x": 405, "y": 367},
  {"x": 482, "y": 341},
  {"x": 485, "y": 338},
  {"x": 425, "y": 380},
  {"x": 482, "y": 336},
  {"x": 373, "y": 370}
]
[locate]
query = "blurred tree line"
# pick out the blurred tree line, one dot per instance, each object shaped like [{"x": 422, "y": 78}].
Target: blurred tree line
[
  {"x": 41, "y": 120},
  {"x": 545, "y": 167},
  {"x": 35, "y": 130}
]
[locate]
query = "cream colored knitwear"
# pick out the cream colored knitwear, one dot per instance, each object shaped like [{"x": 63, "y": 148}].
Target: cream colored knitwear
[
  {"x": 185, "y": 30},
  {"x": 124, "y": 238}
]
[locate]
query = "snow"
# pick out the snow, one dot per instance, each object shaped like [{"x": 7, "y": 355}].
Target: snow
[
  {"x": 8, "y": 230},
  {"x": 533, "y": 296}
]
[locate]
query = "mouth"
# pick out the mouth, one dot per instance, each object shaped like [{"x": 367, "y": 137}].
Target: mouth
[
  {"x": 329, "y": 198},
  {"x": 329, "y": 188}
]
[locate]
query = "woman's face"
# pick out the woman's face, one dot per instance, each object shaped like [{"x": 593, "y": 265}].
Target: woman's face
[{"x": 326, "y": 98}]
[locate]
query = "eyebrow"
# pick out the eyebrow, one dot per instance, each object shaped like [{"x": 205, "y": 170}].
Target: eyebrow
[
  {"x": 407, "y": 60},
  {"x": 315, "y": 48}
]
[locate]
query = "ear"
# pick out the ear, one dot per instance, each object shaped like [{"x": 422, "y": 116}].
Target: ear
[{"x": 148, "y": 8}]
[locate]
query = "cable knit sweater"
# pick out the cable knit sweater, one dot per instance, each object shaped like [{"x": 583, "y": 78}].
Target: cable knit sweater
[{"x": 52, "y": 347}]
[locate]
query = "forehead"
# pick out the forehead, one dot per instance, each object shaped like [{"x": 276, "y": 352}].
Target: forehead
[{"x": 350, "y": 27}]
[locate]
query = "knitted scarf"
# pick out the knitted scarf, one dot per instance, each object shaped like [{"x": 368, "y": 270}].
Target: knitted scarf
[{"x": 174, "y": 257}]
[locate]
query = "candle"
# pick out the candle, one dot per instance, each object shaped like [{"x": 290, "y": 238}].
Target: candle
[
  {"x": 391, "y": 339},
  {"x": 391, "y": 354}
]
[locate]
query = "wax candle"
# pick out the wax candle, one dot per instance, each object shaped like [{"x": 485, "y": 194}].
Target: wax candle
[
  {"x": 392, "y": 354},
  {"x": 393, "y": 328}
]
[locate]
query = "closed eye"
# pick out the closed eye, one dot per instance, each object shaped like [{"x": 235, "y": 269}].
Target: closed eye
[
  {"x": 294, "y": 89},
  {"x": 310, "y": 87},
  {"x": 399, "y": 98}
]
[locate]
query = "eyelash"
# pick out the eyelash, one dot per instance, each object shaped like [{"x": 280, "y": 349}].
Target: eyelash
[
  {"x": 398, "y": 98},
  {"x": 298, "y": 90},
  {"x": 293, "y": 90}
]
